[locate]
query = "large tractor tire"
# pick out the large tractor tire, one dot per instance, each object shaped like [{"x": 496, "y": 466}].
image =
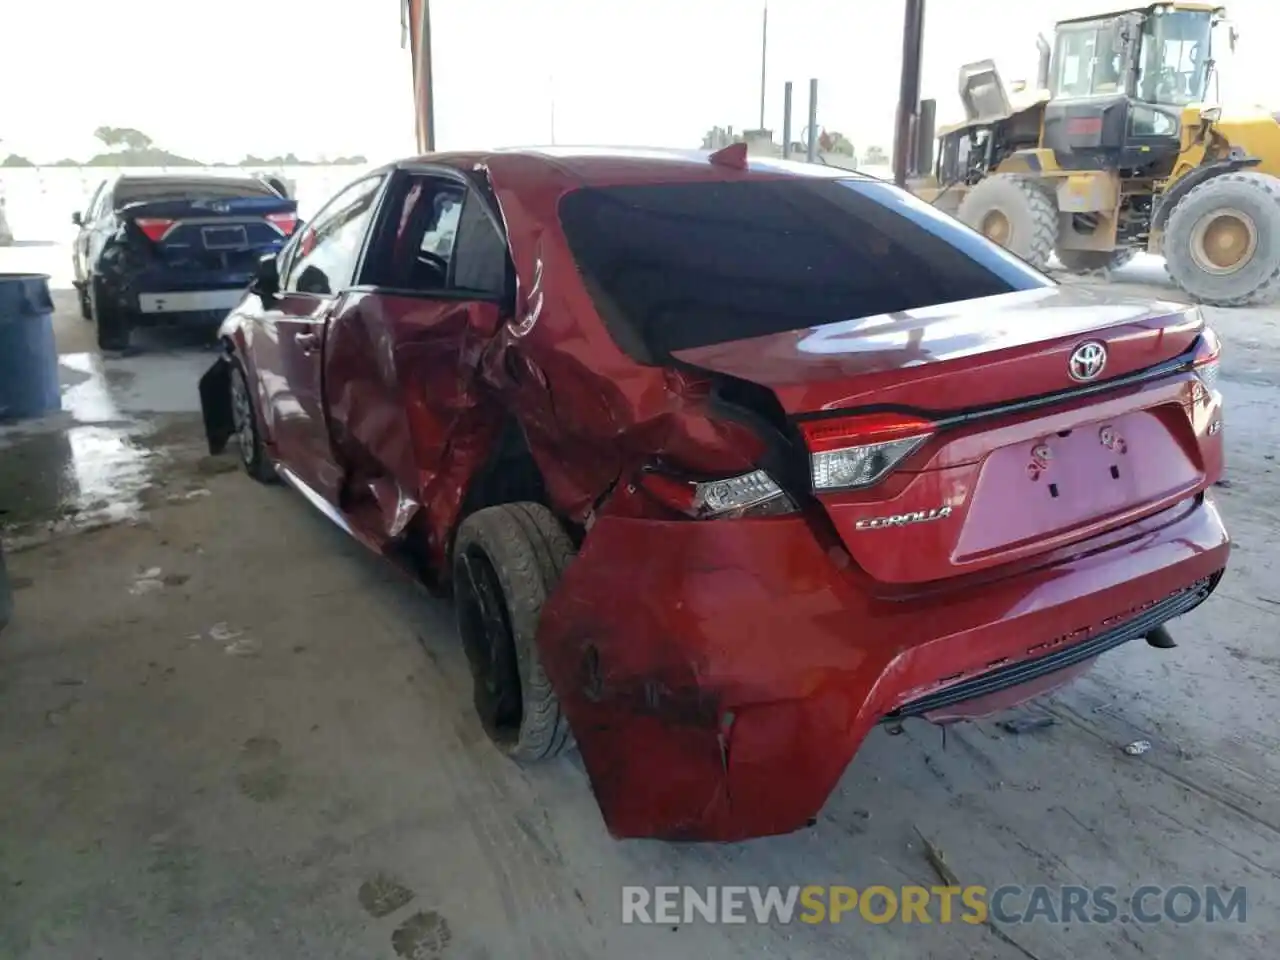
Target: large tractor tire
[
  {"x": 1016, "y": 212},
  {"x": 1087, "y": 261},
  {"x": 1222, "y": 240}
]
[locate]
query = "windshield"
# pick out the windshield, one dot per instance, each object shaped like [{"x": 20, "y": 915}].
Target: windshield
[
  {"x": 1173, "y": 65},
  {"x": 679, "y": 265}
]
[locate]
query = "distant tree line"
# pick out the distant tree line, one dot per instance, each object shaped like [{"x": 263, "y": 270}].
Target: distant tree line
[{"x": 127, "y": 147}]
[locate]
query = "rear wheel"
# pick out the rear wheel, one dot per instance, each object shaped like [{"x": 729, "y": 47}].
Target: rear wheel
[
  {"x": 247, "y": 436},
  {"x": 1086, "y": 261},
  {"x": 506, "y": 561},
  {"x": 1222, "y": 241},
  {"x": 113, "y": 323},
  {"x": 1016, "y": 212}
]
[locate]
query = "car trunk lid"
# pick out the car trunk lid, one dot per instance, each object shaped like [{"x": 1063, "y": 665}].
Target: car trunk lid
[{"x": 1005, "y": 450}]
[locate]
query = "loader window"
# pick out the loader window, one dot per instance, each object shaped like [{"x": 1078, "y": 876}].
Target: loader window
[
  {"x": 1089, "y": 61},
  {"x": 678, "y": 265}
]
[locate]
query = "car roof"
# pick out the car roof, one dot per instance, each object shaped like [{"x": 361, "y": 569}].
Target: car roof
[{"x": 607, "y": 165}]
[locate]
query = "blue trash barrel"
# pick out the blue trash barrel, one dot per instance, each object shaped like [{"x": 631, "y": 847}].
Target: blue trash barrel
[{"x": 28, "y": 352}]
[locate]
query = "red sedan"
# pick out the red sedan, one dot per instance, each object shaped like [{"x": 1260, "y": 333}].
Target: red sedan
[{"x": 724, "y": 461}]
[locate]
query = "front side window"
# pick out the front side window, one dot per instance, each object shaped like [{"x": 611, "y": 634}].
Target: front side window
[
  {"x": 1174, "y": 58},
  {"x": 324, "y": 258},
  {"x": 681, "y": 265}
]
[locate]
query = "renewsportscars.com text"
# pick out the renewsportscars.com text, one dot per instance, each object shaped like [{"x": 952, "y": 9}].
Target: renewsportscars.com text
[{"x": 1008, "y": 904}]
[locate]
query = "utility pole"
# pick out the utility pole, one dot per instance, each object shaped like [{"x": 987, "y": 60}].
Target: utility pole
[
  {"x": 764, "y": 52},
  {"x": 909, "y": 91},
  {"x": 811, "y": 148},
  {"x": 786, "y": 121}
]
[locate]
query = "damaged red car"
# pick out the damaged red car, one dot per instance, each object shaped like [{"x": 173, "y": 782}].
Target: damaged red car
[{"x": 726, "y": 461}]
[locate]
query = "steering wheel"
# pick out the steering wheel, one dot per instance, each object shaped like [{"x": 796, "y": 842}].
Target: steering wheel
[
  {"x": 1169, "y": 86},
  {"x": 435, "y": 260}
]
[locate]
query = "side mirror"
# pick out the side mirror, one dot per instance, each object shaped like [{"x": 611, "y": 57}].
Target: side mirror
[
  {"x": 78, "y": 219},
  {"x": 266, "y": 279}
]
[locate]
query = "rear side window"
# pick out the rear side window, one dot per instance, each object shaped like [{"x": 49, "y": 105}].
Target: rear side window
[
  {"x": 675, "y": 266},
  {"x": 480, "y": 256}
]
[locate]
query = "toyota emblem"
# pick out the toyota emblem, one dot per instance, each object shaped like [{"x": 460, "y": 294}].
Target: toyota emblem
[{"x": 1087, "y": 361}]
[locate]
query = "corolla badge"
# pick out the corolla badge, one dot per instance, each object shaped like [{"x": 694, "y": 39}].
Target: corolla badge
[
  {"x": 1087, "y": 361},
  {"x": 903, "y": 519}
]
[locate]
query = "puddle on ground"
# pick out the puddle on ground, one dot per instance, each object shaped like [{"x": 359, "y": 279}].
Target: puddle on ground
[
  {"x": 93, "y": 474},
  {"x": 95, "y": 462}
]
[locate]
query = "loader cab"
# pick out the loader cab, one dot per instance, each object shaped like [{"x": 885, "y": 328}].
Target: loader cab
[{"x": 1119, "y": 83}]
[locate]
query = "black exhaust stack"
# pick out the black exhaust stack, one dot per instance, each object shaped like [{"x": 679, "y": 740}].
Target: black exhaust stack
[{"x": 1042, "y": 69}]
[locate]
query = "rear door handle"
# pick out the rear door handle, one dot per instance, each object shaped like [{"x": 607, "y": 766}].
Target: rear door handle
[{"x": 309, "y": 342}]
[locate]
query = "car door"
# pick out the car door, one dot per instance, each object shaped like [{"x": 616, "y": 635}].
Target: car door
[
  {"x": 321, "y": 268},
  {"x": 407, "y": 414},
  {"x": 80, "y": 249}
]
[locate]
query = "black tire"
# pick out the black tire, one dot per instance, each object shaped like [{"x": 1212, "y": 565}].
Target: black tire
[
  {"x": 112, "y": 322},
  {"x": 1256, "y": 278},
  {"x": 1087, "y": 261},
  {"x": 6, "y": 593},
  {"x": 1025, "y": 206},
  {"x": 247, "y": 438},
  {"x": 506, "y": 561},
  {"x": 86, "y": 309}
]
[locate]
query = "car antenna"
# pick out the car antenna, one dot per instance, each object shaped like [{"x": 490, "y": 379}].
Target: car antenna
[{"x": 734, "y": 155}]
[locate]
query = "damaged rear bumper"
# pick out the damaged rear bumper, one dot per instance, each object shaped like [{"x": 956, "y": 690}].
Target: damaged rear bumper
[{"x": 719, "y": 687}]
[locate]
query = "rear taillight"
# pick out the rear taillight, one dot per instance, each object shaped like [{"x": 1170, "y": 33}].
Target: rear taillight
[
  {"x": 286, "y": 223},
  {"x": 754, "y": 494},
  {"x": 1205, "y": 361},
  {"x": 155, "y": 228},
  {"x": 846, "y": 454}
]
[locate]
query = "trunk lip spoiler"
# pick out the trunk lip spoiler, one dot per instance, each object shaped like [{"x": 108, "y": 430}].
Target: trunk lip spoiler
[{"x": 951, "y": 419}]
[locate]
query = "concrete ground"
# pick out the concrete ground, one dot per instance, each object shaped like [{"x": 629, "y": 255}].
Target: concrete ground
[{"x": 226, "y": 732}]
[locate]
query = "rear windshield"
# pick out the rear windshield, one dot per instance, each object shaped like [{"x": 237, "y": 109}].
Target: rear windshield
[
  {"x": 181, "y": 188},
  {"x": 674, "y": 266}
]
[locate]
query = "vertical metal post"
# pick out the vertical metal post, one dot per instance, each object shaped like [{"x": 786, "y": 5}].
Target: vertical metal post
[
  {"x": 909, "y": 91},
  {"x": 812, "y": 148},
  {"x": 424, "y": 88},
  {"x": 786, "y": 121},
  {"x": 764, "y": 53}
]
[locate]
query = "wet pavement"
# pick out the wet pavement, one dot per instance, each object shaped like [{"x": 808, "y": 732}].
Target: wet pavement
[{"x": 97, "y": 461}]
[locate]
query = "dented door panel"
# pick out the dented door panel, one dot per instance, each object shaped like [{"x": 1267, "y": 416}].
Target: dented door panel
[{"x": 407, "y": 423}]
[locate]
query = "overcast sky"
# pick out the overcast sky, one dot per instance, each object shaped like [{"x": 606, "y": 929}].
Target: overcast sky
[{"x": 329, "y": 77}]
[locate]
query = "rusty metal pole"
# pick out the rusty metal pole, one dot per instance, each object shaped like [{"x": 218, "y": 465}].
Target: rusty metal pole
[
  {"x": 909, "y": 91},
  {"x": 417, "y": 13}
]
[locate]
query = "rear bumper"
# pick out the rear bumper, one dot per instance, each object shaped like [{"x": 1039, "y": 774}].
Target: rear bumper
[
  {"x": 719, "y": 686},
  {"x": 163, "y": 296}
]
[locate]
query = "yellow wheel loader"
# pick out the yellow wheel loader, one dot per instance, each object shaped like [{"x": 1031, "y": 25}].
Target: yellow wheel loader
[{"x": 1117, "y": 151}]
